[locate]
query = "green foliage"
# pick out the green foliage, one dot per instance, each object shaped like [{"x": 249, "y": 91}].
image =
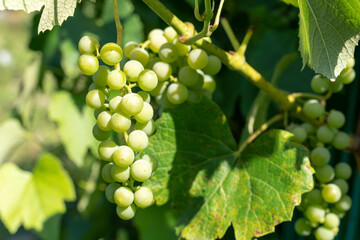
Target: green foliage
[
  {"x": 32, "y": 197},
  {"x": 329, "y": 32},
  {"x": 211, "y": 186},
  {"x": 52, "y": 14},
  {"x": 11, "y": 134}
]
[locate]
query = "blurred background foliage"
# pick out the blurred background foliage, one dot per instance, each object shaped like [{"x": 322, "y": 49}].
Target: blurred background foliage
[{"x": 42, "y": 107}]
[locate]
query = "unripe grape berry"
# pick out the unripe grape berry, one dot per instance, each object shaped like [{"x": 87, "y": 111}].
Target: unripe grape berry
[
  {"x": 312, "y": 197},
  {"x": 336, "y": 119},
  {"x": 302, "y": 227},
  {"x": 110, "y": 190},
  {"x": 99, "y": 134},
  {"x": 194, "y": 96},
  {"x": 95, "y": 98},
  {"x": 116, "y": 80},
  {"x": 143, "y": 197},
  {"x": 106, "y": 150},
  {"x": 342, "y": 184},
  {"x": 141, "y": 170},
  {"x": 331, "y": 193},
  {"x": 347, "y": 76},
  {"x": 313, "y": 109},
  {"x": 170, "y": 34},
  {"x": 111, "y": 54},
  {"x": 120, "y": 123},
  {"x": 325, "y": 134},
  {"x": 88, "y": 44},
  {"x": 320, "y": 84},
  {"x": 88, "y": 64},
  {"x": 129, "y": 46},
  {"x": 308, "y": 127},
  {"x": 315, "y": 213},
  {"x": 103, "y": 121},
  {"x": 177, "y": 93},
  {"x": 320, "y": 156},
  {"x": 156, "y": 42},
  {"x": 188, "y": 76},
  {"x": 141, "y": 55},
  {"x": 163, "y": 70},
  {"x": 336, "y": 86},
  {"x": 300, "y": 134},
  {"x": 148, "y": 128},
  {"x": 160, "y": 89},
  {"x": 147, "y": 80},
  {"x": 209, "y": 83},
  {"x": 126, "y": 213},
  {"x": 344, "y": 204},
  {"x": 168, "y": 53},
  {"x": 325, "y": 174},
  {"x": 213, "y": 66},
  {"x": 131, "y": 104},
  {"x": 114, "y": 104},
  {"x": 146, "y": 114},
  {"x": 152, "y": 160},
  {"x": 132, "y": 69},
  {"x": 322, "y": 233},
  {"x": 123, "y": 156},
  {"x": 350, "y": 63},
  {"x": 331, "y": 220},
  {"x": 123, "y": 197},
  {"x": 197, "y": 59},
  {"x": 343, "y": 170},
  {"x": 155, "y": 32},
  {"x": 183, "y": 49},
  {"x": 138, "y": 140},
  {"x": 120, "y": 174},
  {"x": 100, "y": 77},
  {"x": 106, "y": 173},
  {"x": 341, "y": 141},
  {"x": 145, "y": 96}
]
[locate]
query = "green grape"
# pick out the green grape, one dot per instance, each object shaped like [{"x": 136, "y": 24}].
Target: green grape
[
  {"x": 320, "y": 156},
  {"x": 197, "y": 59},
  {"x": 123, "y": 156},
  {"x": 123, "y": 197},
  {"x": 336, "y": 86},
  {"x": 98, "y": 111},
  {"x": 300, "y": 134},
  {"x": 147, "y": 80},
  {"x": 99, "y": 134},
  {"x": 126, "y": 213},
  {"x": 209, "y": 83},
  {"x": 320, "y": 84},
  {"x": 155, "y": 32},
  {"x": 302, "y": 227},
  {"x": 338, "y": 212},
  {"x": 350, "y": 63},
  {"x": 106, "y": 173},
  {"x": 88, "y": 44},
  {"x": 120, "y": 174},
  {"x": 100, "y": 77},
  {"x": 308, "y": 127},
  {"x": 213, "y": 66},
  {"x": 131, "y": 104},
  {"x": 170, "y": 34},
  {"x": 152, "y": 160},
  {"x": 206, "y": 93},
  {"x": 138, "y": 140},
  {"x": 168, "y": 53},
  {"x": 342, "y": 184},
  {"x": 116, "y": 80},
  {"x": 325, "y": 134},
  {"x": 322, "y": 233},
  {"x": 88, "y": 64},
  {"x": 198, "y": 85},
  {"x": 344, "y": 204},
  {"x": 146, "y": 114},
  {"x": 347, "y": 76},
  {"x": 156, "y": 42},
  {"x": 148, "y": 128},
  {"x": 114, "y": 104},
  {"x": 141, "y": 170},
  {"x": 160, "y": 89},
  {"x": 120, "y": 123},
  {"x": 111, "y": 54},
  {"x": 313, "y": 109},
  {"x": 331, "y": 193},
  {"x": 95, "y": 98},
  {"x": 343, "y": 171},
  {"x": 143, "y": 197},
  {"x": 336, "y": 119},
  {"x": 315, "y": 213},
  {"x": 145, "y": 96},
  {"x": 132, "y": 69},
  {"x": 110, "y": 191},
  {"x": 106, "y": 150},
  {"x": 129, "y": 46},
  {"x": 183, "y": 49},
  {"x": 341, "y": 141},
  {"x": 103, "y": 121},
  {"x": 163, "y": 70},
  {"x": 331, "y": 220},
  {"x": 312, "y": 197},
  {"x": 188, "y": 76},
  {"x": 140, "y": 55},
  {"x": 194, "y": 96},
  {"x": 177, "y": 93},
  {"x": 325, "y": 174}
]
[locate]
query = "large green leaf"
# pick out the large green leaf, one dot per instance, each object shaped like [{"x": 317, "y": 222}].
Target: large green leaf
[
  {"x": 211, "y": 186},
  {"x": 55, "y": 11},
  {"x": 329, "y": 32},
  {"x": 74, "y": 126},
  {"x": 11, "y": 135},
  {"x": 29, "y": 198}
]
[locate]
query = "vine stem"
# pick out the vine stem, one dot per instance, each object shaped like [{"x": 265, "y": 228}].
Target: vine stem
[
  {"x": 230, "y": 33},
  {"x": 119, "y": 27},
  {"x": 261, "y": 129}
]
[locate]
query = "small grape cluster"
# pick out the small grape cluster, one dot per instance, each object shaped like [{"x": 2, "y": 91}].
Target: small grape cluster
[
  {"x": 328, "y": 201},
  {"x": 130, "y": 115},
  {"x": 184, "y": 74}
]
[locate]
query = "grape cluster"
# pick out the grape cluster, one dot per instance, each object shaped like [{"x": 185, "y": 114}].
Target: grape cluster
[
  {"x": 321, "y": 84},
  {"x": 184, "y": 74},
  {"x": 119, "y": 110},
  {"x": 328, "y": 201}
]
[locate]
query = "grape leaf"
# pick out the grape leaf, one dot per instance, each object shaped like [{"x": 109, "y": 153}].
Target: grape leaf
[
  {"x": 75, "y": 127},
  {"x": 29, "y": 198},
  {"x": 55, "y": 11},
  {"x": 11, "y": 134},
  {"x": 292, "y": 2},
  {"x": 329, "y": 32},
  {"x": 211, "y": 186}
]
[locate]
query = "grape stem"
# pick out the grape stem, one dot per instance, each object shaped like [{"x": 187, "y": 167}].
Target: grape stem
[
  {"x": 126, "y": 137},
  {"x": 119, "y": 27},
  {"x": 261, "y": 129},
  {"x": 230, "y": 33}
]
